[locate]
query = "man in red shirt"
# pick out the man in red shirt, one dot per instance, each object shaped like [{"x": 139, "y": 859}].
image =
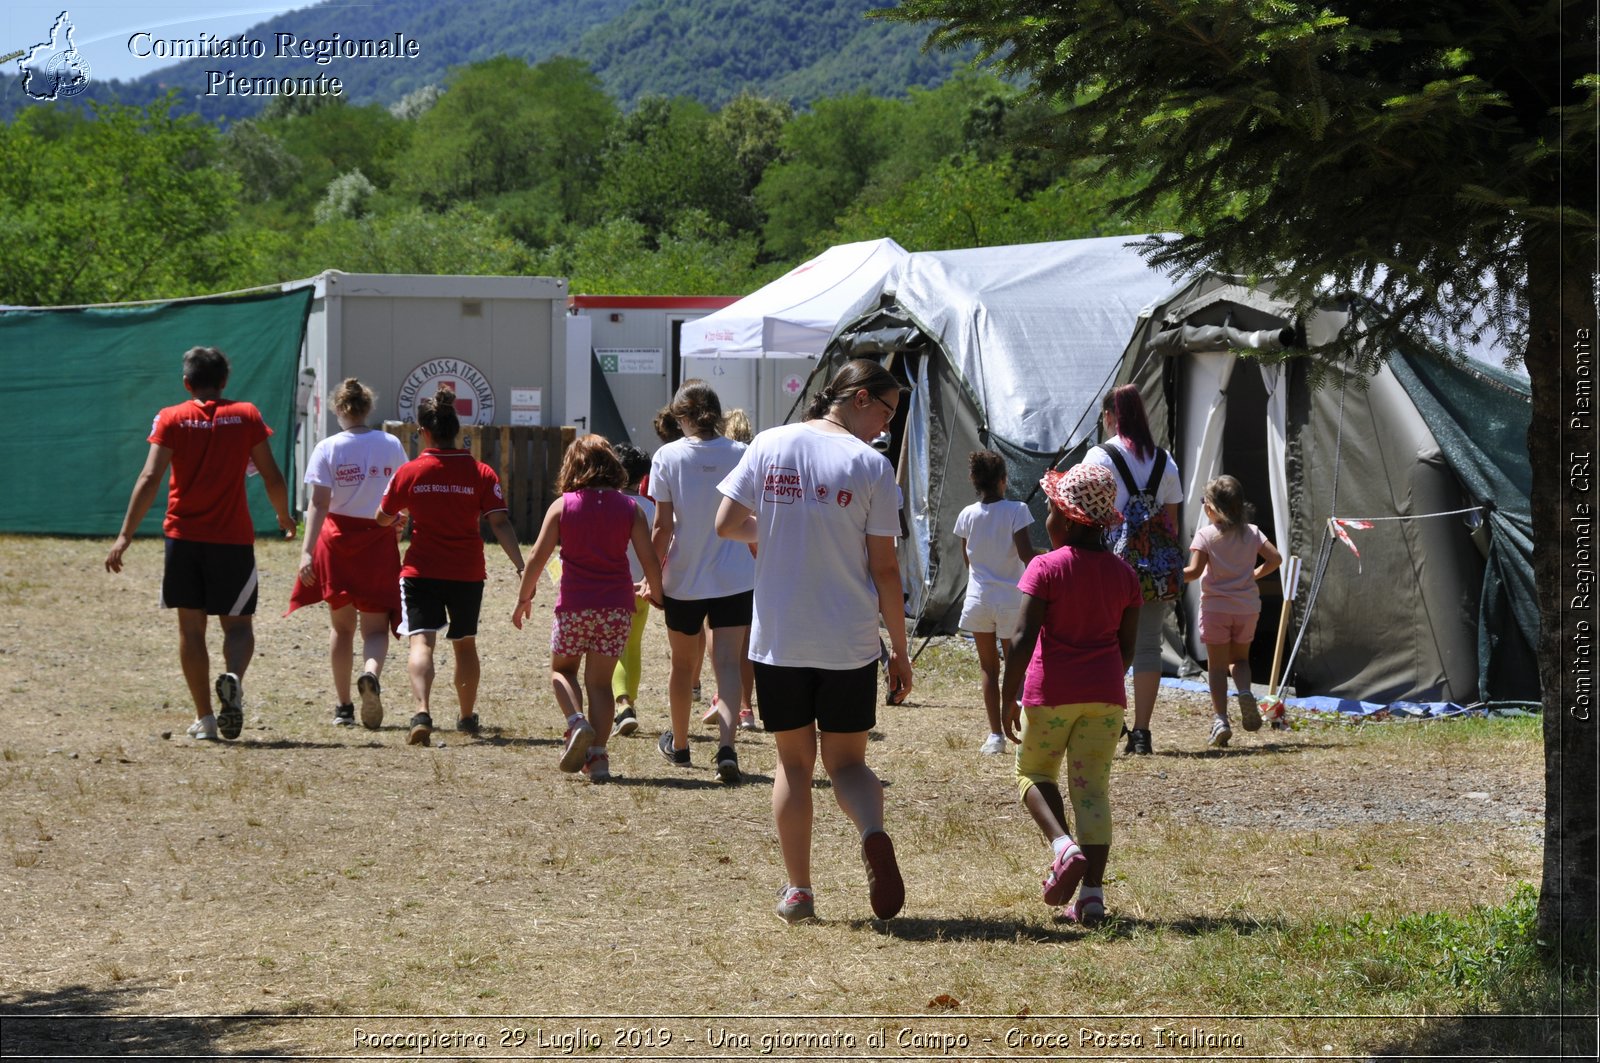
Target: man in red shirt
[{"x": 210, "y": 443}]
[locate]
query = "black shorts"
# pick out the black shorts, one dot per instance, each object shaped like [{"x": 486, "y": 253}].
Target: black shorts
[
  {"x": 427, "y": 604},
  {"x": 217, "y": 577},
  {"x": 839, "y": 700},
  {"x": 685, "y": 615}
]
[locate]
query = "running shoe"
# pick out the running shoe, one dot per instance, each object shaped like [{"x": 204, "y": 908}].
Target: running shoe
[
  {"x": 679, "y": 757},
  {"x": 796, "y": 905},
  {"x": 344, "y": 716},
  {"x": 993, "y": 746},
  {"x": 1138, "y": 742},
  {"x": 597, "y": 766},
  {"x": 230, "y": 718},
  {"x": 885, "y": 889},
  {"x": 728, "y": 766},
  {"x": 1249, "y": 712},
  {"x": 579, "y": 737},
  {"x": 627, "y": 720},
  {"x": 710, "y": 715},
  {"x": 421, "y": 733},
  {"x": 1220, "y": 733},
  {"x": 469, "y": 724},
  {"x": 371, "y": 692},
  {"x": 204, "y": 728},
  {"x": 747, "y": 720}
]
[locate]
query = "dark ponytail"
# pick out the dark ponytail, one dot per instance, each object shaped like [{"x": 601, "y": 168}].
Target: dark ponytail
[
  {"x": 856, "y": 374},
  {"x": 438, "y": 416},
  {"x": 697, "y": 403}
]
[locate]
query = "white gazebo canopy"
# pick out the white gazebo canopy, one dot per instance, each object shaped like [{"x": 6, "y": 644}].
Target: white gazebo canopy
[{"x": 796, "y": 315}]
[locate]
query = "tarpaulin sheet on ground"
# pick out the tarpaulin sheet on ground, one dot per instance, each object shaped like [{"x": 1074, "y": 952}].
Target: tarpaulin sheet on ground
[{"x": 86, "y": 383}]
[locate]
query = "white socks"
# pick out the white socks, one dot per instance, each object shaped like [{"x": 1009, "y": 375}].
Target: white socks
[{"x": 1061, "y": 844}]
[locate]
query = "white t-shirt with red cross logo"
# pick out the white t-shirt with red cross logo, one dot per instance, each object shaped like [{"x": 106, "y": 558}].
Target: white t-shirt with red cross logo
[
  {"x": 357, "y": 466},
  {"x": 816, "y": 495}
]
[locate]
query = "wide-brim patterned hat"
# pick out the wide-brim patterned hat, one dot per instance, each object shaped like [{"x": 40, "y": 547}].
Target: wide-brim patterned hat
[{"x": 1084, "y": 493}]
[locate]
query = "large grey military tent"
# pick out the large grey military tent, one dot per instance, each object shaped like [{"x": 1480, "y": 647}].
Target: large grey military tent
[
  {"x": 1007, "y": 348},
  {"x": 1433, "y": 601}
]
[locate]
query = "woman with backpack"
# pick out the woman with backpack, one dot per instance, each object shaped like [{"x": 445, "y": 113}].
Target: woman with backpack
[{"x": 1149, "y": 493}]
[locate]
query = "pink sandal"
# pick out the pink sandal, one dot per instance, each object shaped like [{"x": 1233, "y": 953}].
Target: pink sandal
[
  {"x": 1086, "y": 913},
  {"x": 1066, "y": 871}
]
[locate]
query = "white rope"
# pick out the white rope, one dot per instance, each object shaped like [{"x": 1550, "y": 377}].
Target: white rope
[{"x": 1418, "y": 516}]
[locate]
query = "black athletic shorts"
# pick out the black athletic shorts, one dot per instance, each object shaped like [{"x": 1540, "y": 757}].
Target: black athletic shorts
[
  {"x": 685, "y": 615},
  {"x": 217, "y": 577},
  {"x": 429, "y": 604},
  {"x": 839, "y": 700}
]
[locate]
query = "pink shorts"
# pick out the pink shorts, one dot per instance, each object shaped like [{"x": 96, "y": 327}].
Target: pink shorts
[
  {"x": 579, "y": 631},
  {"x": 1233, "y": 628}
]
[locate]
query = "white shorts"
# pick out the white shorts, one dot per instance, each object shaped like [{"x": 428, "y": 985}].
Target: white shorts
[{"x": 995, "y": 609}]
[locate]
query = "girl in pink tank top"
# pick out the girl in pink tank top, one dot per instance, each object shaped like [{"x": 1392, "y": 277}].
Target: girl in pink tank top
[{"x": 592, "y": 523}]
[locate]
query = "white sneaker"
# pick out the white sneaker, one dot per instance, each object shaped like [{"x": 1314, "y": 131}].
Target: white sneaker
[
  {"x": 204, "y": 729},
  {"x": 994, "y": 745}
]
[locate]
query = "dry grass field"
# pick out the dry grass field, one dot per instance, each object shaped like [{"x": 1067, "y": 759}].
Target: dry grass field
[{"x": 328, "y": 892}]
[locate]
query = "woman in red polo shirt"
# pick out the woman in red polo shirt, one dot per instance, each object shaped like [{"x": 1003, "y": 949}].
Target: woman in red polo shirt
[{"x": 447, "y": 492}]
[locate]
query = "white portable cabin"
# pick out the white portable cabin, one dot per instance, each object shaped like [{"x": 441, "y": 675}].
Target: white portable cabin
[
  {"x": 639, "y": 355},
  {"x": 501, "y": 341},
  {"x": 633, "y": 349}
]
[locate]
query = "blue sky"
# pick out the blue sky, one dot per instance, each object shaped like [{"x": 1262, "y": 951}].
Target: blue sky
[{"x": 103, "y": 29}]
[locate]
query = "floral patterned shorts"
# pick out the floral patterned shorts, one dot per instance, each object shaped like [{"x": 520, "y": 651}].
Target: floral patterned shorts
[{"x": 579, "y": 631}]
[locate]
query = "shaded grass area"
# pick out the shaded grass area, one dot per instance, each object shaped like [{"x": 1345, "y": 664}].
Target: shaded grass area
[{"x": 1375, "y": 870}]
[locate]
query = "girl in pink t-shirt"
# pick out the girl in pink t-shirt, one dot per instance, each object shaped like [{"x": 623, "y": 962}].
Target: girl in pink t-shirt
[
  {"x": 593, "y": 523},
  {"x": 1080, "y": 607},
  {"x": 1223, "y": 557}
]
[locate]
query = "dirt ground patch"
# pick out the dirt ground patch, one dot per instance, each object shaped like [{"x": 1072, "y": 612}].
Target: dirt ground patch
[{"x": 308, "y": 870}]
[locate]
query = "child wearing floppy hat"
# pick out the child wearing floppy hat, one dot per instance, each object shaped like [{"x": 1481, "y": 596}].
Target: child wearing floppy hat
[{"x": 1079, "y": 621}]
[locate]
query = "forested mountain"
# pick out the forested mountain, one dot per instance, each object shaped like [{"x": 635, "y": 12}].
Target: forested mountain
[
  {"x": 709, "y": 50},
  {"x": 799, "y": 50}
]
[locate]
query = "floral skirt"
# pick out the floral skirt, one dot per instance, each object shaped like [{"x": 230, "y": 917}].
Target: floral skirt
[{"x": 579, "y": 631}]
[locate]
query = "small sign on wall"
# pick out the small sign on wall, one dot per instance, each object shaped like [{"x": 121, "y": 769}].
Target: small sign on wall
[
  {"x": 630, "y": 359},
  {"x": 527, "y": 406}
]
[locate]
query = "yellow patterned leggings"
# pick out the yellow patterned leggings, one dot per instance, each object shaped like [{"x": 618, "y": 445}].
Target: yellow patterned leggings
[
  {"x": 1086, "y": 736},
  {"x": 625, "y": 680}
]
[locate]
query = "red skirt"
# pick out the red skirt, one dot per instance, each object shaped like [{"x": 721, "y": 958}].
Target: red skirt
[{"x": 356, "y": 561}]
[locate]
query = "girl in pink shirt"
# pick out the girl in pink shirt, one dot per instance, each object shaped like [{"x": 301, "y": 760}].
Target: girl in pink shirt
[
  {"x": 593, "y": 523},
  {"x": 1080, "y": 617},
  {"x": 1223, "y": 557}
]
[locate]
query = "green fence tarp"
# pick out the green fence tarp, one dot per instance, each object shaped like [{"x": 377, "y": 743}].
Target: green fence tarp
[{"x": 86, "y": 385}]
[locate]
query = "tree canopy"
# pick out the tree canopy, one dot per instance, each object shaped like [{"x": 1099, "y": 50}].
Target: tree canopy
[
  {"x": 539, "y": 168},
  {"x": 1410, "y": 152}
]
